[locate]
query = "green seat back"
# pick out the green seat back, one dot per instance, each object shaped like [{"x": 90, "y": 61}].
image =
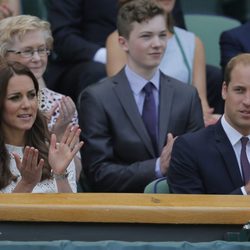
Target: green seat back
[
  {"x": 35, "y": 8},
  {"x": 159, "y": 186},
  {"x": 208, "y": 28}
]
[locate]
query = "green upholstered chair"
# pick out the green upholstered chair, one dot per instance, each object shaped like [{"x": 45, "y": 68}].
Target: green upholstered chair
[
  {"x": 159, "y": 186},
  {"x": 35, "y": 8},
  {"x": 208, "y": 28}
]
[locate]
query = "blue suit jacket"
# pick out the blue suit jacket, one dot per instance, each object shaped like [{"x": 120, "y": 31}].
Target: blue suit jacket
[
  {"x": 234, "y": 42},
  {"x": 204, "y": 162}
]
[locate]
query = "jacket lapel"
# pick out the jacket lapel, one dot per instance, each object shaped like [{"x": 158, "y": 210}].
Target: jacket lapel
[
  {"x": 126, "y": 98},
  {"x": 227, "y": 153},
  {"x": 165, "y": 106}
]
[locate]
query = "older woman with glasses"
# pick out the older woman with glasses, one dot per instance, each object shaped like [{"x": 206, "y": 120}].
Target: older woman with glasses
[{"x": 27, "y": 39}]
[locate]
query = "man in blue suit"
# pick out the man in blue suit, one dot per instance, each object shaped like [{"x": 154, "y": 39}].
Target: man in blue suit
[
  {"x": 209, "y": 161},
  {"x": 120, "y": 153},
  {"x": 233, "y": 42}
]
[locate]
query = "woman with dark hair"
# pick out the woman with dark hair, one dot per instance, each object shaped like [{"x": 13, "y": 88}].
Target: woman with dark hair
[
  {"x": 31, "y": 161},
  {"x": 27, "y": 39}
]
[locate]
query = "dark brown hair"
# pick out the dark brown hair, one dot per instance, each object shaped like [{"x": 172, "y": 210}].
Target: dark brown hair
[
  {"x": 136, "y": 11},
  {"x": 37, "y": 136},
  {"x": 169, "y": 17}
]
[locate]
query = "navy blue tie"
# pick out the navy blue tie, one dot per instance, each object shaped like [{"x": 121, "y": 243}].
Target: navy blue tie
[
  {"x": 149, "y": 114},
  {"x": 245, "y": 166}
]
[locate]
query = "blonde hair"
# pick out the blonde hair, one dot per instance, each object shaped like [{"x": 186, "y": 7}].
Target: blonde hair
[{"x": 18, "y": 26}]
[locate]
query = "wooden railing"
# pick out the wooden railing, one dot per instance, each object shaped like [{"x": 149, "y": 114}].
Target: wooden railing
[{"x": 126, "y": 208}]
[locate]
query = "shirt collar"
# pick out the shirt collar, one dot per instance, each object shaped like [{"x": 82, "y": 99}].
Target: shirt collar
[
  {"x": 233, "y": 135},
  {"x": 137, "y": 82}
]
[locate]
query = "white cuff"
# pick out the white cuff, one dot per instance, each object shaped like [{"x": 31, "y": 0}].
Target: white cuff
[
  {"x": 243, "y": 190},
  {"x": 101, "y": 55},
  {"x": 158, "y": 172}
]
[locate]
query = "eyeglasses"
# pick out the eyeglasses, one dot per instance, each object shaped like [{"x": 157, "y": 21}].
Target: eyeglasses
[{"x": 27, "y": 53}]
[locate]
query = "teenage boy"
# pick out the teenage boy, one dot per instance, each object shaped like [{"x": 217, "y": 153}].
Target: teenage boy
[{"x": 130, "y": 121}]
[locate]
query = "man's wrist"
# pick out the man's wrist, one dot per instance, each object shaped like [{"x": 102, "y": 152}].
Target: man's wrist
[{"x": 158, "y": 171}]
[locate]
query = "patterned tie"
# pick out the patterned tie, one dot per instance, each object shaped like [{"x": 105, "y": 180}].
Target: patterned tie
[
  {"x": 149, "y": 114},
  {"x": 244, "y": 161}
]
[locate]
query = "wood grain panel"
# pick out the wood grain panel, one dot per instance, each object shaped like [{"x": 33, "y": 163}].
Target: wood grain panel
[{"x": 126, "y": 208}]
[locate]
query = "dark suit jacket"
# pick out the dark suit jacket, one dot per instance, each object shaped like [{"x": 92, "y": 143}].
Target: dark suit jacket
[
  {"x": 118, "y": 155},
  {"x": 204, "y": 162},
  {"x": 234, "y": 42},
  {"x": 79, "y": 28}
]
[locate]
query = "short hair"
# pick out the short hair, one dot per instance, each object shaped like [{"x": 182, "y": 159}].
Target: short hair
[
  {"x": 243, "y": 59},
  {"x": 136, "y": 11},
  {"x": 20, "y": 25}
]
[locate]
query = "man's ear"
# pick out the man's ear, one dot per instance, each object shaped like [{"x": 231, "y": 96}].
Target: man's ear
[
  {"x": 224, "y": 90},
  {"x": 123, "y": 43}
]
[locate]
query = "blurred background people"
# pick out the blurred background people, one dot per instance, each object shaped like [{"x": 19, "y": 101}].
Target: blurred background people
[
  {"x": 80, "y": 29},
  {"x": 233, "y": 42}
]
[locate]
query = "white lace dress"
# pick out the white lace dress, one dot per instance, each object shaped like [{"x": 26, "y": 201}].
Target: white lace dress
[{"x": 46, "y": 186}]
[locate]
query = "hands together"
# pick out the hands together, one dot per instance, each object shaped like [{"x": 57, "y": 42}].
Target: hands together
[
  {"x": 209, "y": 117},
  {"x": 5, "y": 11},
  {"x": 67, "y": 110},
  {"x": 166, "y": 154}
]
